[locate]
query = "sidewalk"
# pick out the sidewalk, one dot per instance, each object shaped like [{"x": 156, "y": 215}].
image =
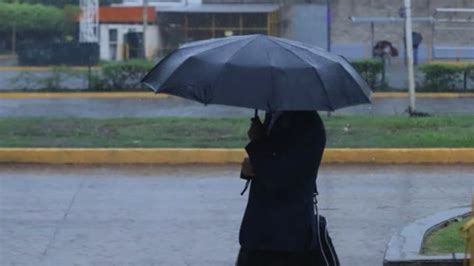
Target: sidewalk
[{"x": 190, "y": 215}]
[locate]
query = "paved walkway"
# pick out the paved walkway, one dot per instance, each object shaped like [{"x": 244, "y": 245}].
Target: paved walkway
[
  {"x": 164, "y": 215},
  {"x": 149, "y": 107}
]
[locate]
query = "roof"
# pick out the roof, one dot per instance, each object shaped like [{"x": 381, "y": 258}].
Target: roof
[
  {"x": 221, "y": 8},
  {"x": 125, "y": 14}
]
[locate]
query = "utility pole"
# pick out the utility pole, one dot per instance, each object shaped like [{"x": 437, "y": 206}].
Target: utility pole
[
  {"x": 145, "y": 23},
  {"x": 409, "y": 52},
  {"x": 14, "y": 35},
  {"x": 328, "y": 22}
]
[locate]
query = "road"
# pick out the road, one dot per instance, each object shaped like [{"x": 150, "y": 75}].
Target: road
[
  {"x": 190, "y": 215},
  {"x": 153, "y": 107}
]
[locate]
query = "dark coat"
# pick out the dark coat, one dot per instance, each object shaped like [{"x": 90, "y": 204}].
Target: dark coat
[{"x": 279, "y": 214}]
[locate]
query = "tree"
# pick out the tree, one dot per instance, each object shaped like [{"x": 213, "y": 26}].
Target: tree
[{"x": 21, "y": 17}]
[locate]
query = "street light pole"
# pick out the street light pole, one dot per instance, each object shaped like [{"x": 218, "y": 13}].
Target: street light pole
[
  {"x": 328, "y": 22},
  {"x": 145, "y": 23},
  {"x": 409, "y": 53}
]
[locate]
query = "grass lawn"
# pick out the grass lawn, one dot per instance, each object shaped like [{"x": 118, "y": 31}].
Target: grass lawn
[
  {"x": 446, "y": 240},
  {"x": 342, "y": 132}
]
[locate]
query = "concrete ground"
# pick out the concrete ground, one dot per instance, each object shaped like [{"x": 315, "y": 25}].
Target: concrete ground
[
  {"x": 190, "y": 215},
  {"x": 153, "y": 107}
]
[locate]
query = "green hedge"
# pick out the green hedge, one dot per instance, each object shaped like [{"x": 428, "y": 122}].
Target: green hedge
[
  {"x": 116, "y": 76},
  {"x": 371, "y": 70},
  {"x": 26, "y": 17},
  {"x": 446, "y": 77},
  {"x": 121, "y": 76},
  {"x": 54, "y": 80}
]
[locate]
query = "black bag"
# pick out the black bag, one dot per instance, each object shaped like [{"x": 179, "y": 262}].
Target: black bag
[{"x": 326, "y": 254}]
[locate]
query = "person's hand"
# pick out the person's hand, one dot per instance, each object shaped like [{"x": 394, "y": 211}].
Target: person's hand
[
  {"x": 256, "y": 130},
  {"x": 247, "y": 168}
]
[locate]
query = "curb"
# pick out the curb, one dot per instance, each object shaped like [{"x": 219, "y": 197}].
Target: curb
[
  {"x": 405, "y": 247},
  {"x": 225, "y": 156},
  {"x": 111, "y": 95}
]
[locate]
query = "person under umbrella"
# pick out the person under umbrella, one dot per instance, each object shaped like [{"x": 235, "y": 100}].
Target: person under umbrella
[
  {"x": 290, "y": 81},
  {"x": 277, "y": 229}
]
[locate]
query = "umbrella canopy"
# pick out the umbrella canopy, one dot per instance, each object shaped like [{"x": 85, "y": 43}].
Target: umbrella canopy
[{"x": 260, "y": 72}]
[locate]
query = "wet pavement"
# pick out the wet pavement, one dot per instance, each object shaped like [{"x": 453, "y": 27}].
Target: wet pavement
[
  {"x": 190, "y": 215},
  {"x": 153, "y": 107}
]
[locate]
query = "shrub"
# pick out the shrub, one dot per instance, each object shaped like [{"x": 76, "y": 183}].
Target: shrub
[
  {"x": 371, "y": 71},
  {"x": 121, "y": 76},
  {"x": 52, "y": 81},
  {"x": 446, "y": 76},
  {"x": 441, "y": 77},
  {"x": 55, "y": 81}
]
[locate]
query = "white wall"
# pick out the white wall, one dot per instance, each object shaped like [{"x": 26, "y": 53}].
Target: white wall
[{"x": 152, "y": 39}]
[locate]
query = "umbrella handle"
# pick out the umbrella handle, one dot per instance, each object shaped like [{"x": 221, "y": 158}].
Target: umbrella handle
[{"x": 256, "y": 113}]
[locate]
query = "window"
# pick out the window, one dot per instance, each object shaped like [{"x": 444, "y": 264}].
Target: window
[
  {"x": 113, "y": 44},
  {"x": 113, "y": 35}
]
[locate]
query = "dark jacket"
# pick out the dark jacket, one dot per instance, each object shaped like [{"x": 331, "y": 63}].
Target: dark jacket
[{"x": 279, "y": 214}]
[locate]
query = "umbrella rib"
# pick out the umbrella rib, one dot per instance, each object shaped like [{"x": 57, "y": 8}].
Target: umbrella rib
[
  {"x": 317, "y": 50},
  {"x": 143, "y": 80},
  {"x": 191, "y": 56},
  {"x": 340, "y": 60},
  {"x": 331, "y": 108},
  {"x": 367, "y": 96},
  {"x": 230, "y": 58},
  {"x": 214, "y": 40}
]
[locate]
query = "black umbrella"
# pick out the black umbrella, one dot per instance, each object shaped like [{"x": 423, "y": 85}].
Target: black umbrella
[{"x": 259, "y": 72}]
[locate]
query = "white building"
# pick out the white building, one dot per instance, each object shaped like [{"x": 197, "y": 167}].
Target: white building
[{"x": 121, "y": 32}]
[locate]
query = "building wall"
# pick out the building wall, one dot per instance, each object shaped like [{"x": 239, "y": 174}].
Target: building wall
[
  {"x": 152, "y": 39},
  {"x": 354, "y": 39},
  {"x": 305, "y": 23}
]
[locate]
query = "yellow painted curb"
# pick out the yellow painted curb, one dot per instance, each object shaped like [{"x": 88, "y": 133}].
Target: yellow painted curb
[
  {"x": 73, "y": 95},
  {"x": 118, "y": 155},
  {"x": 53, "y": 95},
  {"x": 226, "y": 156}
]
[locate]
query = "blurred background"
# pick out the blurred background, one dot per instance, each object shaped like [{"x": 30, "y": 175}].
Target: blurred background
[{"x": 137, "y": 33}]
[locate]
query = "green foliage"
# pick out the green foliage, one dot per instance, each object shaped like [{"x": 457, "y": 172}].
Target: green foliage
[
  {"x": 121, "y": 76},
  {"x": 370, "y": 70},
  {"x": 25, "y": 81},
  {"x": 28, "y": 17},
  {"x": 53, "y": 81},
  {"x": 445, "y": 76},
  {"x": 342, "y": 131},
  {"x": 441, "y": 77},
  {"x": 71, "y": 12},
  {"x": 446, "y": 240},
  {"x": 112, "y": 76}
]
